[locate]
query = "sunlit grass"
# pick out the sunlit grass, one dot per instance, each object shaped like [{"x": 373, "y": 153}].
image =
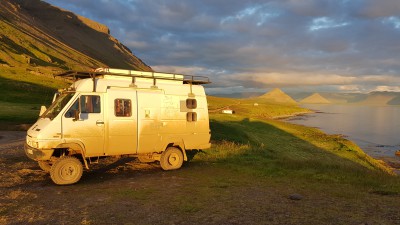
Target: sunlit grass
[{"x": 275, "y": 149}]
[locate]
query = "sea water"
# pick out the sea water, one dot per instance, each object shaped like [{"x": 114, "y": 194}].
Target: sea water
[{"x": 376, "y": 129}]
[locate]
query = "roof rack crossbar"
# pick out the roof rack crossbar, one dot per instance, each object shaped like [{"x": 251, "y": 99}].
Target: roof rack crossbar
[{"x": 192, "y": 79}]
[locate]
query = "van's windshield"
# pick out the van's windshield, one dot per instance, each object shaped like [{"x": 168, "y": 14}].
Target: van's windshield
[{"x": 58, "y": 104}]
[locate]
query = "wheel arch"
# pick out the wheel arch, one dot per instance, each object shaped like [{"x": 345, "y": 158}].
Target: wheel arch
[
  {"x": 180, "y": 145},
  {"x": 73, "y": 148}
]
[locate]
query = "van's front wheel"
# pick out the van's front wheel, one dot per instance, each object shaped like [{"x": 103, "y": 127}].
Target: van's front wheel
[
  {"x": 171, "y": 159},
  {"x": 66, "y": 170}
]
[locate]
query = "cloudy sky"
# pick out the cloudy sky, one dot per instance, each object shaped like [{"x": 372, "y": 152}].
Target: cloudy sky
[{"x": 297, "y": 45}]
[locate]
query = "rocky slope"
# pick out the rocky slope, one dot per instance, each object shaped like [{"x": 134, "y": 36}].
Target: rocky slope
[{"x": 38, "y": 36}]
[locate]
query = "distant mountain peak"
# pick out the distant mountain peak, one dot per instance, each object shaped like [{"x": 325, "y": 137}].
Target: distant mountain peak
[
  {"x": 380, "y": 98},
  {"x": 315, "y": 98},
  {"x": 277, "y": 95}
]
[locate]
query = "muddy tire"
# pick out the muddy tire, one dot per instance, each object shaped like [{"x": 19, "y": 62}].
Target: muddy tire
[
  {"x": 45, "y": 165},
  {"x": 145, "y": 159},
  {"x": 66, "y": 170},
  {"x": 171, "y": 159}
]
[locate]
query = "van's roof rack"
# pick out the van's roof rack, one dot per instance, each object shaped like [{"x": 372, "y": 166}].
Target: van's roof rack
[{"x": 188, "y": 79}]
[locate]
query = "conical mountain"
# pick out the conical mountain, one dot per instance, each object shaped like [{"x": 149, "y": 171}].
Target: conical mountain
[
  {"x": 278, "y": 96},
  {"x": 315, "y": 98}
]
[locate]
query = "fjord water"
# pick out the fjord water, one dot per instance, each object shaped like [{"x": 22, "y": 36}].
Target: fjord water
[{"x": 376, "y": 129}]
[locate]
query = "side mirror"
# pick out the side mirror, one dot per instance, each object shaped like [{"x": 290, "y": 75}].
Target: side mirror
[
  {"x": 42, "y": 110},
  {"x": 76, "y": 115}
]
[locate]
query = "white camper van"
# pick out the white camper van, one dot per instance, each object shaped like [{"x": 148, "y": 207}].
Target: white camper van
[{"x": 112, "y": 112}]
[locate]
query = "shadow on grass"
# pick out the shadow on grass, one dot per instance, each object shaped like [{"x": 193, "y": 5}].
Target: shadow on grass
[
  {"x": 23, "y": 92},
  {"x": 20, "y": 102}
]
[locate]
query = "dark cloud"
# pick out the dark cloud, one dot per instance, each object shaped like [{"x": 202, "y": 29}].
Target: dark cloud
[
  {"x": 286, "y": 43},
  {"x": 377, "y": 9}
]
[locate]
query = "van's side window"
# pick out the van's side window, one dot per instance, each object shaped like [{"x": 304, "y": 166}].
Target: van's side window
[
  {"x": 90, "y": 104},
  {"x": 123, "y": 107},
  {"x": 191, "y": 103},
  {"x": 71, "y": 111}
]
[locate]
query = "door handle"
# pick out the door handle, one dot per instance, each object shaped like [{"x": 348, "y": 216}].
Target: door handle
[{"x": 99, "y": 122}]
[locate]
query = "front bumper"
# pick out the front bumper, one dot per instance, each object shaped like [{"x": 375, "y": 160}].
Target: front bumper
[{"x": 37, "y": 154}]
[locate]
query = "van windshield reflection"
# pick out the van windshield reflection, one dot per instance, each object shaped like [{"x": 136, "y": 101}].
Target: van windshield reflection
[{"x": 57, "y": 105}]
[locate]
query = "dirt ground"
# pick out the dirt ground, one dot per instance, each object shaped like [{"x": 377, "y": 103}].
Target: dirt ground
[{"x": 125, "y": 191}]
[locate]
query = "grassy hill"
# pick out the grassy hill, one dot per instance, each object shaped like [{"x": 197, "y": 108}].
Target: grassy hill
[
  {"x": 35, "y": 34},
  {"x": 38, "y": 40},
  {"x": 276, "y": 95}
]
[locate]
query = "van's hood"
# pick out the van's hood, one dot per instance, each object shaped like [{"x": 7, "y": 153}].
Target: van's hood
[{"x": 38, "y": 130}]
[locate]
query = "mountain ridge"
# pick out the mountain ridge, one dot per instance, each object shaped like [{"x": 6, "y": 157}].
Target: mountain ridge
[{"x": 35, "y": 34}]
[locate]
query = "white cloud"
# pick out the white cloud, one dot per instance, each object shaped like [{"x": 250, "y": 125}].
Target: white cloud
[
  {"x": 291, "y": 79},
  {"x": 326, "y": 23},
  {"x": 387, "y": 88},
  {"x": 392, "y": 20},
  {"x": 350, "y": 88}
]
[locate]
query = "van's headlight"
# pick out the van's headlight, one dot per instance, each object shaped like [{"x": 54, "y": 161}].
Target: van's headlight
[{"x": 33, "y": 144}]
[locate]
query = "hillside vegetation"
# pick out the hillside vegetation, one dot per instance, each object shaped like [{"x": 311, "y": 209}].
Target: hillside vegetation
[
  {"x": 38, "y": 40},
  {"x": 35, "y": 34},
  {"x": 276, "y": 95}
]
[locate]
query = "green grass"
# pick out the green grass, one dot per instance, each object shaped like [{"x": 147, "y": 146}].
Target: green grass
[
  {"x": 18, "y": 112},
  {"x": 270, "y": 148},
  {"x": 22, "y": 93}
]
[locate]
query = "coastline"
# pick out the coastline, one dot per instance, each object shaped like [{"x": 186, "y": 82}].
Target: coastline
[
  {"x": 285, "y": 117},
  {"x": 376, "y": 151}
]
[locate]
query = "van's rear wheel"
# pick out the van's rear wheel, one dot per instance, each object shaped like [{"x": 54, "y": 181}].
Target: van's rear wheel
[
  {"x": 66, "y": 170},
  {"x": 171, "y": 159},
  {"x": 45, "y": 165}
]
